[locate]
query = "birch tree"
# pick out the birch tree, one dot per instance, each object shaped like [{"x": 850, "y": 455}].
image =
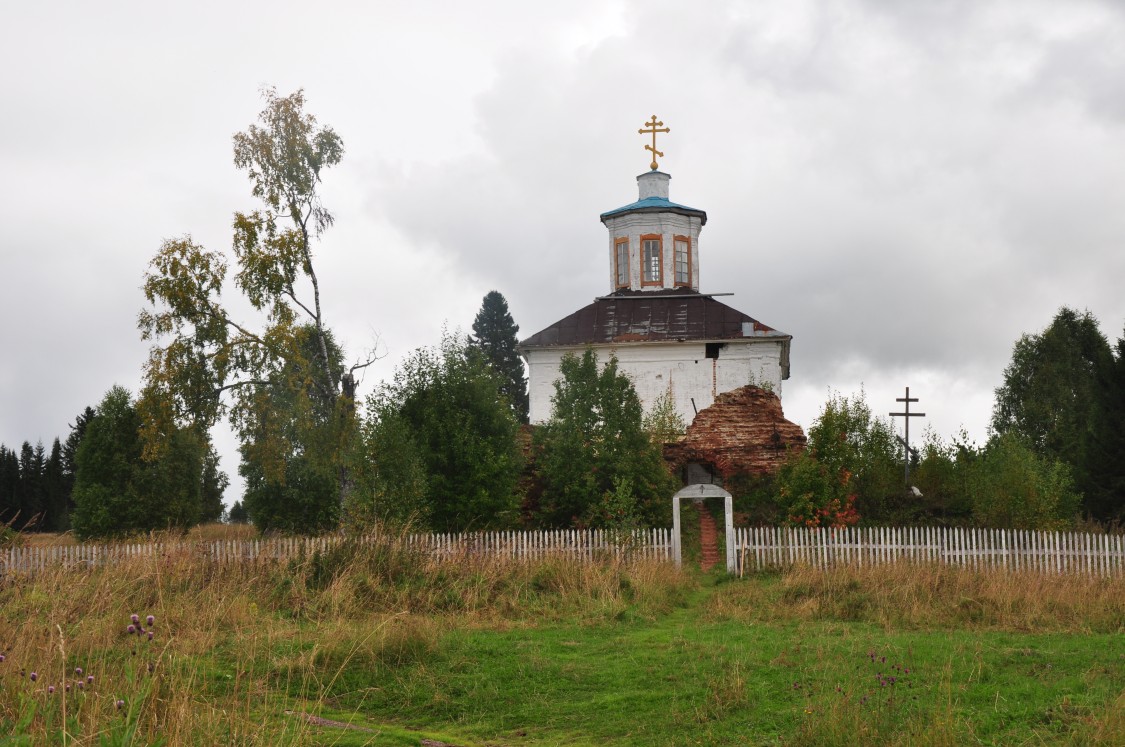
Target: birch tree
[{"x": 207, "y": 364}]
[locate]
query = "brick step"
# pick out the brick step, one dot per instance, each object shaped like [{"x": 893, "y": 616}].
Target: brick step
[{"x": 709, "y": 538}]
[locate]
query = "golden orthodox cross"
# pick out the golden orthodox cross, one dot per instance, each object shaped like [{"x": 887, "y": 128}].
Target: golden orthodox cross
[{"x": 653, "y": 128}]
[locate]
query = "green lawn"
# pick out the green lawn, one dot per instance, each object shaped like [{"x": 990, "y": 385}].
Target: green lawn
[
  {"x": 689, "y": 677},
  {"x": 385, "y": 646}
]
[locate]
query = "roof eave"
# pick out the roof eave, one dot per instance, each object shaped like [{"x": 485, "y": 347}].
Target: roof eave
[{"x": 688, "y": 212}]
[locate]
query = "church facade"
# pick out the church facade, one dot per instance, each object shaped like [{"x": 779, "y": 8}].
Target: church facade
[{"x": 668, "y": 337}]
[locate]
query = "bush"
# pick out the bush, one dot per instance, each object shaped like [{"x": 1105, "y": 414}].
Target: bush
[{"x": 1013, "y": 487}]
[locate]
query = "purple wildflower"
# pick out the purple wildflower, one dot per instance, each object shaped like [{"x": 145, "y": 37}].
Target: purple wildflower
[
  {"x": 89, "y": 679},
  {"x": 150, "y": 620},
  {"x": 78, "y": 671},
  {"x": 1, "y": 657},
  {"x": 81, "y": 685},
  {"x": 132, "y": 629},
  {"x": 135, "y": 618},
  {"x": 119, "y": 704},
  {"x": 50, "y": 689},
  {"x": 150, "y": 635},
  {"x": 34, "y": 676}
]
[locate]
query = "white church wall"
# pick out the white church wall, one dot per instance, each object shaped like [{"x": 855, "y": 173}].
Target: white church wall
[
  {"x": 654, "y": 367},
  {"x": 668, "y": 225}
]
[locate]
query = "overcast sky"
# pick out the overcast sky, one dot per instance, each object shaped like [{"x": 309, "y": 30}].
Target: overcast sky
[{"x": 905, "y": 187}]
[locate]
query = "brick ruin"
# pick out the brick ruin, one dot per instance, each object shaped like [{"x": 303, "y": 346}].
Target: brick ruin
[{"x": 743, "y": 432}]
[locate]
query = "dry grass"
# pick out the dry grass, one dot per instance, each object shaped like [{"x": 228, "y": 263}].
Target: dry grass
[
  {"x": 933, "y": 595},
  {"x": 199, "y": 533},
  {"x": 229, "y": 638}
]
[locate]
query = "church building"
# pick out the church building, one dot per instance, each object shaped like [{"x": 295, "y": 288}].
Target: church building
[{"x": 668, "y": 337}]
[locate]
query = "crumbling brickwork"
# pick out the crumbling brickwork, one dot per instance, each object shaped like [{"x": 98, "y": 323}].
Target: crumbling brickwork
[{"x": 744, "y": 432}]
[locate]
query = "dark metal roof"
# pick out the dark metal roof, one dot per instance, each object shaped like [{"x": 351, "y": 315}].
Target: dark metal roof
[{"x": 652, "y": 316}]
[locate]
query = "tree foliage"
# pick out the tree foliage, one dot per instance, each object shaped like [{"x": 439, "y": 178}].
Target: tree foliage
[
  {"x": 238, "y": 514},
  {"x": 663, "y": 422},
  {"x": 851, "y": 468},
  {"x": 595, "y": 446},
  {"x": 441, "y": 442},
  {"x": 1057, "y": 392},
  {"x": 118, "y": 491},
  {"x": 1011, "y": 486},
  {"x": 206, "y": 352},
  {"x": 56, "y": 493},
  {"x": 33, "y": 494},
  {"x": 9, "y": 485},
  {"x": 1110, "y": 503},
  {"x": 494, "y": 335},
  {"x": 291, "y": 437}
]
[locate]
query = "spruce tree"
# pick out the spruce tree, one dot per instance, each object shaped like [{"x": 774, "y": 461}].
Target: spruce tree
[
  {"x": 70, "y": 446},
  {"x": 56, "y": 514},
  {"x": 33, "y": 462},
  {"x": 494, "y": 335},
  {"x": 69, "y": 450},
  {"x": 119, "y": 491},
  {"x": 238, "y": 514},
  {"x": 9, "y": 485}
]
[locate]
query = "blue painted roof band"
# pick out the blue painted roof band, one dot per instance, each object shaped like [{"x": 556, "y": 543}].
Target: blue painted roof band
[{"x": 654, "y": 203}]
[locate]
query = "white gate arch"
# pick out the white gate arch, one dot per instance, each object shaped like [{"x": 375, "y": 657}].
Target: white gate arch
[{"x": 696, "y": 493}]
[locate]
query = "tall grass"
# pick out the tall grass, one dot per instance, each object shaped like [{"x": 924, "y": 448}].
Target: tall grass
[
  {"x": 252, "y": 652},
  {"x": 198, "y": 533},
  {"x": 235, "y": 646},
  {"x": 930, "y": 595}
]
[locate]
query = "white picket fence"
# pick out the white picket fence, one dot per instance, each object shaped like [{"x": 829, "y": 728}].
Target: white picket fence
[
  {"x": 755, "y": 548},
  {"x": 1016, "y": 550},
  {"x": 587, "y": 544}
]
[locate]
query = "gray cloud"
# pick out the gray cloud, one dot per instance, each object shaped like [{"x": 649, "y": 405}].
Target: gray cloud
[{"x": 905, "y": 187}]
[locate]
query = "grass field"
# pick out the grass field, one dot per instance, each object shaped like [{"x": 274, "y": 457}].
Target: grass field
[{"x": 380, "y": 646}]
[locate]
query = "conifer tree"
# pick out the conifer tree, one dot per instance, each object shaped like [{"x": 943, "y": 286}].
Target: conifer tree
[
  {"x": 55, "y": 494},
  {"x": 70, "y": 446},
  {"x": 33, "y": 461},
  {"x": 238, "y": 514},
  {"x": 9, "y": 485},
  {"x": 494, "y": 335},
  {"x": 117, "y": 491}
]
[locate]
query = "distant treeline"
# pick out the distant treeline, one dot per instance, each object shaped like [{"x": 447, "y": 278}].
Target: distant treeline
[{"x": 35, "y": 487}]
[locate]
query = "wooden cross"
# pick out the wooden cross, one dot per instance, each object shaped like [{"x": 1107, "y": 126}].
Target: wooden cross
[
  {"x": 653, "y": 128},
  {"x": 908, "y": 415}
]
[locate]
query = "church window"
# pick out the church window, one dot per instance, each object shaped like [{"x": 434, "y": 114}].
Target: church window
[
  {"x": 621, "y": 262},
  {"x": 683, "y": 260},
  {"x": 653, "y": 259}
]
